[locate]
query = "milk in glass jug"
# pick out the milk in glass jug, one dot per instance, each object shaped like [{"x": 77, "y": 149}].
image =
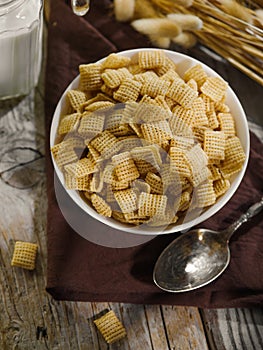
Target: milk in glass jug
[{"x": 21, "y": 24}]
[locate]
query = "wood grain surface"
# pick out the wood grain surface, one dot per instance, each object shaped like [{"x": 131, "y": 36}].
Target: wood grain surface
[{"x": 30, "y": 318}]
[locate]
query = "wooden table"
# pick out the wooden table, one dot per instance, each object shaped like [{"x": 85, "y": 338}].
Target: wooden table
[{"x": 30, "y": 318}]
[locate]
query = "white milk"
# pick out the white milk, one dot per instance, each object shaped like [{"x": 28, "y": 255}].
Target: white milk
[{"x": 20, "y": 46}]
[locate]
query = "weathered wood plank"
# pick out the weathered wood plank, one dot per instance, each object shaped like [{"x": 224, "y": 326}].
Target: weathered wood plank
[
  {"x": 157, "y": 330},
  {"x": 184, "y": 328},
  {"x": 235, "y": 328},
  {"x": 134, "y": 320}
]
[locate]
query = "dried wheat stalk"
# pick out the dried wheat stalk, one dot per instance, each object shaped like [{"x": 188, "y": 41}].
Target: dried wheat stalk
[
  {"x": 239, "y": 42},
  {"x": 231, "y": 28}
]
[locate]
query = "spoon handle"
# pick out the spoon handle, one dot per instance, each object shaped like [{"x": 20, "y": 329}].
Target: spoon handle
[{"x": 252, "y": 211}]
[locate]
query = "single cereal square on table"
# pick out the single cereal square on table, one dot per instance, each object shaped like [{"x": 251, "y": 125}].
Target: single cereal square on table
[
  {"x": 24, "y": 255},
  {"x": 110, "y": 327}
]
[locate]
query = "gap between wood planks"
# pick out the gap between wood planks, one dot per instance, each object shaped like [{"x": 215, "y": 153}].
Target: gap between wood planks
[{"x": 208, "y": 333}]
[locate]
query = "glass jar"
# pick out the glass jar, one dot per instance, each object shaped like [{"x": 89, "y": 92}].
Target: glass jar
[{"x": 21, "y": 24}]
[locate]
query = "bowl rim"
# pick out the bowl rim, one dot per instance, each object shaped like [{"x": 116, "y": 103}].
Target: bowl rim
[{"x": 221, "y": 202}]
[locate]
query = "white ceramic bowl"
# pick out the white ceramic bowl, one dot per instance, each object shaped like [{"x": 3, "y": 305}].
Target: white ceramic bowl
[{"x": 183, "y": 62}]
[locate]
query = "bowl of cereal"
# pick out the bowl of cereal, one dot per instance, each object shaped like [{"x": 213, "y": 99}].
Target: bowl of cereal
[{"x": 149, "y": 141}]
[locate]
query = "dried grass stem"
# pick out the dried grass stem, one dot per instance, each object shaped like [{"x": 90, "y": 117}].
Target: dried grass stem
[{"x": 240, "y": 43}]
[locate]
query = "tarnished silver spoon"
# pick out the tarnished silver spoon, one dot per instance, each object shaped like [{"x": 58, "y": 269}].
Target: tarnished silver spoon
[{"x": 197, "y": 257}]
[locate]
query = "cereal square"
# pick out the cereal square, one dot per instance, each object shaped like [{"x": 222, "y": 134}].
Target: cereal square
[
  {"x": 110, "y": 327},
  {"x": 24, "y": 255}
]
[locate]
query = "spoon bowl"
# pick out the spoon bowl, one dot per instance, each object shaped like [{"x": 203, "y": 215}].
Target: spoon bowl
[
  {"x": 201, "y": 256},
  {"x": 197, "y": 257}
]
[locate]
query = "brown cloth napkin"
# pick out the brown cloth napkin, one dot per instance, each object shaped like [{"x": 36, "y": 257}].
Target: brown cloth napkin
[{"x": 84, "y": 271}]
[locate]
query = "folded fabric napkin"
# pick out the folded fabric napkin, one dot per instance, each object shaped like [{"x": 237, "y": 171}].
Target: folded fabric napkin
[{"x": 81, "y": 270}]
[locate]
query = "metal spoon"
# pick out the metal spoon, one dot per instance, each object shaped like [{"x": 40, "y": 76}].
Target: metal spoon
[{"x": 197, "y": 257}]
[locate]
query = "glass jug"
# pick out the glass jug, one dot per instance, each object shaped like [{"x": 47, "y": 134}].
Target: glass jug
[{"x": 21, "y": 23}]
